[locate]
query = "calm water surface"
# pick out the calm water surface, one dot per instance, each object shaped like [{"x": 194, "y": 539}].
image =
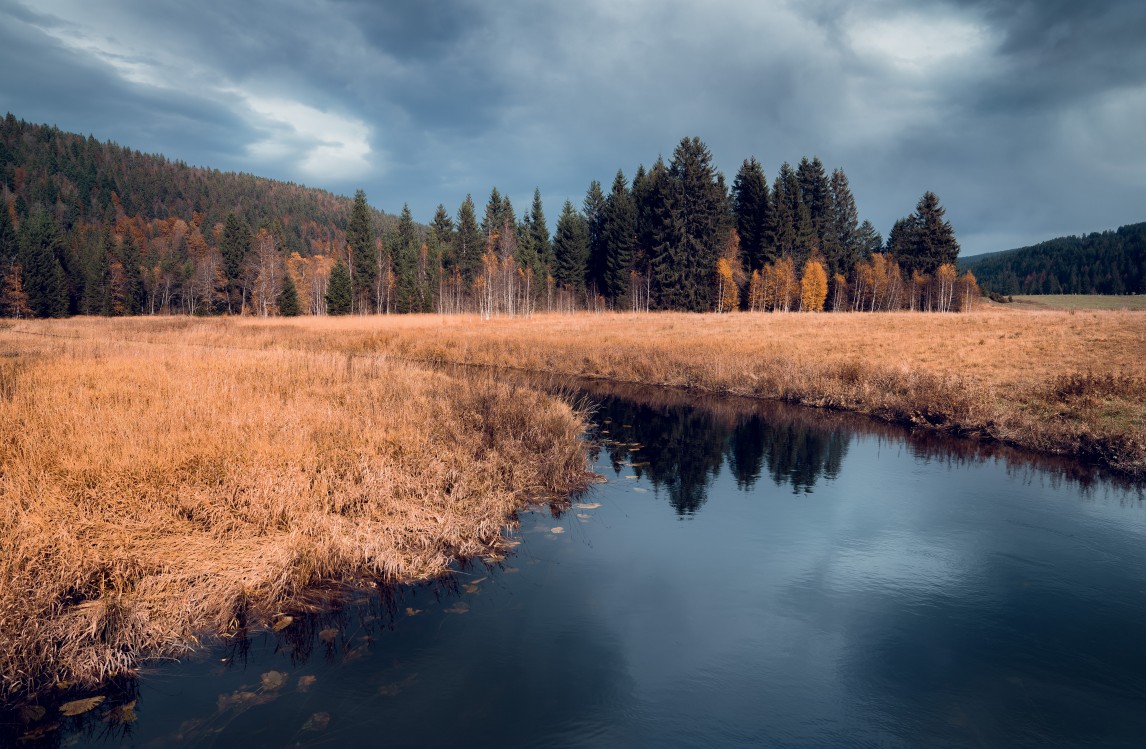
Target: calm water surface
[{"x": 748, "y": 576}]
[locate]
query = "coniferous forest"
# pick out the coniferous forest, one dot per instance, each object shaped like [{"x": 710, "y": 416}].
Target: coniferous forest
[
  {"x": 94, "y": 228},
  {"x": 1110, "y": 262}
]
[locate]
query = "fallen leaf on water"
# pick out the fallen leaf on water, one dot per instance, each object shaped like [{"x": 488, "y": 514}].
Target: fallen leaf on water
[
  {"x": 123, "y": 713},
  {"x": 640, "y": 490},
  {"x": 558, "y": 529},
  {"x": 304, "y": 682},
  {"x": 511, "y": 570},
  {"x": 587, "y": 505},
  {"x": 472, "y": 588},
  {"x": 356, "y": 653},
  {"x": 632, "y": 477},
  {"x": 282, "y": 623},
  {"x": 583, "y": 516},
  {"x": 317, "y": 722},
  {"x": 272, "y": 679},
  {"x": 412, "y": 612},
  {"x": 328, "y": 635},
  {"x": 32, "y": 713},
  {"x": 458, "y": 608},
  {"x": 79, "y": 707},
  {"x": 234, "y": 698},
  {"x": 39, "y": 733},
  {"x": 512, "y": 544},
  {"x": 479, "y": 580}
]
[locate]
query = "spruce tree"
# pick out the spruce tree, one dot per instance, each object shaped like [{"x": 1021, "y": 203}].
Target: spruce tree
[
  {"x": 442, "y": 234},
  {"x": 698, "y": 218},
  {"x": 491, "y": 221},
  {"x": 360, "y": 240},
  {"x": 750, "y": 203},
  {"x": 594, "y": 211},
  {"x": 539, "y": 231},
  {"x": 785, "y": 211},
  {"x": 235, "y": 245},
  {"x": 288, "y": 298},
  {"x": 815, "y": 193},
  {"x": 841, "y": 246},
  {"x": 618, "y": 236},
  {"x": 868, "y": 241},
  {"x": 404, "y": 254},
  {"x": 935, "y": 243},
  {"x": 134, "y": 290},
  {"x": 469, "y": 242},
  {"x": 901, "y": 243},
  {"x": 571, "y": 249},
  {"x": 338, "y": 290},
  {"x": 44, "y": 281}
]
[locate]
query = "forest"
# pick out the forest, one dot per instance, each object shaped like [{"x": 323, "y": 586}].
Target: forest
[
  {"x": 97, "y": 229},
  {"x": 1109, "y": 262}
]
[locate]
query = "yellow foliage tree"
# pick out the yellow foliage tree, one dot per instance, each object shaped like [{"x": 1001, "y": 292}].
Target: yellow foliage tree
[
  {"x": 813, "y": 287},
  {"x": 727, "y": 292}
]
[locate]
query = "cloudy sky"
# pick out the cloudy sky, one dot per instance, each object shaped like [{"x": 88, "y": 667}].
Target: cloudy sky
[{"x": 1026, "y": 117}]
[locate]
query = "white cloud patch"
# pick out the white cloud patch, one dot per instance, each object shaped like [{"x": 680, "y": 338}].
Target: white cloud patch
[
  {"x": 325, "y": 145},
  {"x": 918, "y": 45}
]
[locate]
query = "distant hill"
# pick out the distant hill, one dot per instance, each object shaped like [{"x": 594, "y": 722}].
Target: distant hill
[
  {"x": 116, "y": 231},
  {"x": 1109, "y": 262},
  {"x": 81, "y": 180}
]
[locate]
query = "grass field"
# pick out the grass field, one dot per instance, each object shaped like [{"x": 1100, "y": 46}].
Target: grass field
[
  {"x": 1081, "y": 301},
  {"x": 164, "y": 478},
  {"x": 154, "y": 493}
]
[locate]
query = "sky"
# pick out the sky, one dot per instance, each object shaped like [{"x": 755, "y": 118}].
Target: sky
[{"x": 1026, "y": 117}]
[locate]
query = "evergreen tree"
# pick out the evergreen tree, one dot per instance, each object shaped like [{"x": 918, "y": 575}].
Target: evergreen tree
[
  {"x": 491, "y": 223},
  {"x": 234, "y": 246},
  {"x": 404, "y": 252},
  {"x": 618, "y": 237},
  {"x": 868, "y": 241},
  {"x": 539, "y": 231},
  {"x": 571, "y": 249},
  {"x": 785, "y": 212},
  {"x": 44, "y": 281},
  {"x": 841, "y": 242},
  {"x": 935, "y": 243},
  {"x": 134, "y": 291},
  {"x": 815, "y": 193},
  {"x": 9, "y": 247},
  {"x": 442, "y": 237},
  {"x": 288, "y": 298},
  {"x": 360, "y": 241},
  {"x": 338, "y": 290},
  {"x": 901, "y": 242},
  {"x": 698, "y": 218},
  {"x": 750, "y": 203},
  {"x": 594, "y": 213},
  {"x": 95, "y": 298},
  {"x": 469, "y": 244}
]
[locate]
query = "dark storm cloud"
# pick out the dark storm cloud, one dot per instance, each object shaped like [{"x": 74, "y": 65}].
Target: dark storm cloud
[{"x": 1019, "y": 115}]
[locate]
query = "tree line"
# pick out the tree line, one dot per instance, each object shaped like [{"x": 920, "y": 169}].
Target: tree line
[
  {"x": 92, "y": 228},
  {"x": 1110, "y": 262}
]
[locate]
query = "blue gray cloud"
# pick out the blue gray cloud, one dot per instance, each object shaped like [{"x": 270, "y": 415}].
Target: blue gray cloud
[{"x": 1024, "y": 117}]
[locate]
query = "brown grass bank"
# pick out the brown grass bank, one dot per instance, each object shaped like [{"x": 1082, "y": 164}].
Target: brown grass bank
[
  {"x": 1057, "y": 382},
  {"x": 152, "y": 493}
]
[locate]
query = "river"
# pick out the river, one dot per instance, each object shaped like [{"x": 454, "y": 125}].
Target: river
[{"x": 748, "y": 575}]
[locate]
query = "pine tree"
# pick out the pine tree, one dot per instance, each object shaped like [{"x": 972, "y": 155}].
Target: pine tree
[
  {"x": 338, "y": 290},
  {"x": 901, "y": 243},
  {"x": 571, "y": 249},
  {"x": 539, "y": 231},
  {"x": 785, "y": 212},
  {"x": 133, "y": 276},
  {"x": 593, "y": 210},
  {"x": 364, "y": 255},
  {"x": 750, "y": 201},
  {"x": 618, "y": 237},
  {"x": 698, "y": 216},
  {"x": 868, "y": 242},
  {"x": 404, "y": 252},
  {"x": 935, "y": 244},
  {"x": 44, "y": 280},
  {"x": 288, "y": 298},
  {"x": 469, "y": 244},
  {"x": 842, "y": 251},
  {"x": 234, "y": 245},
  {"x": 815, "y": 193}
]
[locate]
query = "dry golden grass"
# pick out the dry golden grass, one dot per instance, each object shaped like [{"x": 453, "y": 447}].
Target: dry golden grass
[
  {"x": 1053, "y": 381},
  {"x": 162, "y": 478},
  {"x": 151, "y": 493}
]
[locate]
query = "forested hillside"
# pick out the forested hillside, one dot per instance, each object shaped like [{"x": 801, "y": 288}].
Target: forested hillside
[
  {"x": 94, "y": 228},
  {"x": 1110, "y": 262}
]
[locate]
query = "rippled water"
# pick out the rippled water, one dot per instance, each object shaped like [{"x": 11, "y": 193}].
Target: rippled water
[{"x": 748, "y": 576}]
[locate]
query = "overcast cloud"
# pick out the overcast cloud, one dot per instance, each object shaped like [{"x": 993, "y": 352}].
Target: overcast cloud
[{"x": 1028, "y": 119}]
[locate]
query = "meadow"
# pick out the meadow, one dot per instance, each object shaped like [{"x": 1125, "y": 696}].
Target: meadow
[
  {"x": 1081, "y": 301},
  {"x": 168, "y": 479}
]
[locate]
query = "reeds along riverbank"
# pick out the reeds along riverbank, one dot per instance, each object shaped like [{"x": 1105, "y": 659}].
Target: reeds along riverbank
[
  {"x": 154, "y": 493},
  {"x": 1056, "y": 382}
]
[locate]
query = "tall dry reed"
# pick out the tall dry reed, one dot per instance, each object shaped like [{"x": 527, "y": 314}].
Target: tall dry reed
[{"x": 153, "y": 493}]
